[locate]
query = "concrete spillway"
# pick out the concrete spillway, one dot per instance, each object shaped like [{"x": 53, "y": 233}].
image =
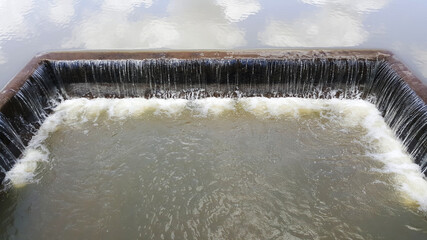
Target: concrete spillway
[{"x": 375, "y": 76}]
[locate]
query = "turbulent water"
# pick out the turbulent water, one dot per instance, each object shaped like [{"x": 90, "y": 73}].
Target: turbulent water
[{"x": 249, "y": 168}]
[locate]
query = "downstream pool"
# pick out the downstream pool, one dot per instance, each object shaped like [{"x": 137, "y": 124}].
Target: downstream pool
[{"x": 251, "y": 168}]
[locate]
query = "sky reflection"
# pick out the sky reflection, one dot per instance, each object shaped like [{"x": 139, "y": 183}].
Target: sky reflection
[
  {"x": 12, "y": 22},
  {"x": 359, "y": 6},
  {"x": 61, "y": 12},
  {"x": 324, "y": 29},
  {"x": 190, "y": 24},
  {"x": 239, "y": 10},
  {"x": 420, "y": 57},
  {"x": 125, "y": 5},
  {"x": 12, "y": 18},
  {"x": 334, "y": 23},
  {"x": 28, "y": 27}
]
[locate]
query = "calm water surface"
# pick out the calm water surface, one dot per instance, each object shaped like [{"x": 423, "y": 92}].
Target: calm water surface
[{"x": 28, "y": 27}]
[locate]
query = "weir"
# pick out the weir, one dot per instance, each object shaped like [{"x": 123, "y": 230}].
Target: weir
[{"x": 375, "y": 76}]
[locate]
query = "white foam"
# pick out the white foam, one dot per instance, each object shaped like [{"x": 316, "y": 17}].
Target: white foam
[
  {"x": 212, "y": 106},
  {"x": 380, "y": 140},
  {"x": 386, "y": 148},
  {"x": 23, "y": 171},
  {"x": 277, "y": 107}
]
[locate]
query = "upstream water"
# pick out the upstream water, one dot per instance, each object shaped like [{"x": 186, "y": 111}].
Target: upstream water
[
  {"x": 250, "y": 168},
  {"x": 29, "y": 27}
]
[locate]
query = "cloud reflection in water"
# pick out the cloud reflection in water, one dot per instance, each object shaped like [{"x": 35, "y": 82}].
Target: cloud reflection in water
[
  {"x": 420, "y": 59},
  {"x": 190, "y": 24},
  {"x": 2, "y": 56},
  {"x": 239, "y": 10},
  {"x": 125, "y": 5},
  {"x": 28, "y": 27},
  {"x": 12, "y": 22},
  {"x": 326, "y": 29},
  {"x": 61, "y": 12},
  {"x": 360, "y": 6},
  {"x": 338, "y": 23},
  {"x": 12, "y": 18}
]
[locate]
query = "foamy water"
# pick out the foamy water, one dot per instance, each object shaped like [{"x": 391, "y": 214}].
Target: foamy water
[{"x": 380, "y": 140}]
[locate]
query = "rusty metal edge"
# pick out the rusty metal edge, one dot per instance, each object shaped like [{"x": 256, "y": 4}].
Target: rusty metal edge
[
  {"x": 370, "y": 54},
  {"x": 413, "y": 81},
  {"x": 225, "y": 54},
  {"x": 13, "y": 86}
]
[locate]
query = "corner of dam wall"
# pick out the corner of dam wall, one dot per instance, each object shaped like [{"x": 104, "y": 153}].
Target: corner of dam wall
[{"x": 376, "y": 76}]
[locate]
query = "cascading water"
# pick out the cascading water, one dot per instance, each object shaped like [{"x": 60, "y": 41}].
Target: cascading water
[
  {"x": 403, "y": 111},
  {"x": 373, "y": 80},
  {"x": 195, "y": 171},
  {"x": 23, "y": 114},
  {"x": 214, "y": 78}
]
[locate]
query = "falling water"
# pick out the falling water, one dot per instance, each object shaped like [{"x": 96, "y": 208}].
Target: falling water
[
  {"x": 403, "y": 111},
  {"x": 24, "y": 113},
  {"x": 372, "y": 80},
  {"x": 192, "y": 79}
]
